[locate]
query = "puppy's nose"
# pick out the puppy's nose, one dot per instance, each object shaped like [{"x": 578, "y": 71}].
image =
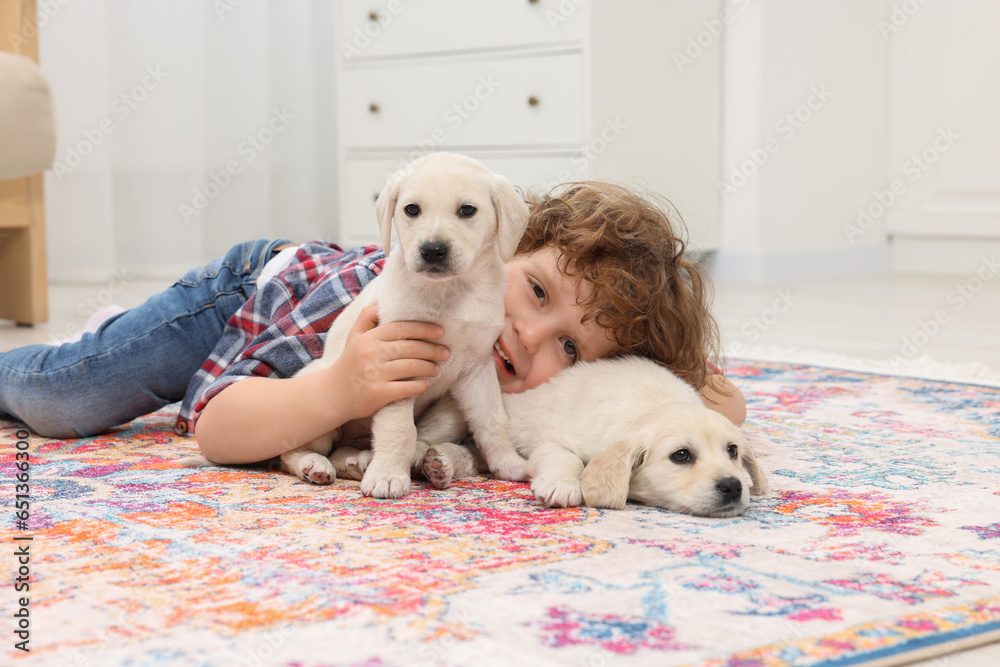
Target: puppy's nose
[
  {"x": 730, "y": 488},
  {"x": 434, "y": 252}
]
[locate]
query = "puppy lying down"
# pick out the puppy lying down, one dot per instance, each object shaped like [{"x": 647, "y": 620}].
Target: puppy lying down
[{"x": 605, "y": 432}]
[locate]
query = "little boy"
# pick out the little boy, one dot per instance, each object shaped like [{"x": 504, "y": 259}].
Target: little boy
[{"x": 600, "y": 271}]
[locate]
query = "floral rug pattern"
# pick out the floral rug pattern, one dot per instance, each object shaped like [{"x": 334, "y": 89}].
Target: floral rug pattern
[{"x": 881, "y": 535}]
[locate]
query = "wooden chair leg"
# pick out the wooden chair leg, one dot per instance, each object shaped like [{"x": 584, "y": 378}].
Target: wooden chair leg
[{"x": 23, "y": 273}]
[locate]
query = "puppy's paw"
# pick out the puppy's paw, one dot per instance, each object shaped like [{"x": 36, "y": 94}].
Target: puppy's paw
[
  {"x": 556, "y": 491},
  {"x": 197, "y": 461},
  {"x": 361, "y": 461},
  {"x": 379, "y": 483},
  {"x": 315, "y": 468},
  {"x": 385, "y": 487},
  {"x": 511, "y": 468},
  {"x": 438, "y": 469},
  {"x": 350, "y": 463}
]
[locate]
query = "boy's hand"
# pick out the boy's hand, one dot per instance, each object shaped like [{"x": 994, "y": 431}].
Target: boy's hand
[
  {"x": 381, "y": 364},
  {"x": 724, "y": 397}
]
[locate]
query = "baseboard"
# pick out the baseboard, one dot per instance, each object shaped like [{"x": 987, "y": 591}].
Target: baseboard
[
  {"x": 943, "y": 256},
  {"x": 805, "y": 264}
]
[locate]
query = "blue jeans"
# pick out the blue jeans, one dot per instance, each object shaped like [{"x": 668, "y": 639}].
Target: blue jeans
[{"x": 137, "y": 361}]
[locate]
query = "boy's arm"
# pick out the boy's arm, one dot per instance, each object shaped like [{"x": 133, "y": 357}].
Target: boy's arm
[
  {"x": 259, "y": 418},
  {"x": 724, "y": 397}
]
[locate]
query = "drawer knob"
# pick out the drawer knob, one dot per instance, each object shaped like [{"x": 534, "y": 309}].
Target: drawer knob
[
  {"x": 373, "y": 107},
  {"x": 375, "y": 197},
  {"x": 532, "y": 101},
  {"x": 373, "y": 16}
]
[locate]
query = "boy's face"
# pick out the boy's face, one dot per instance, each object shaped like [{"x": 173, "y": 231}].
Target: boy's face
[{"x": 543, "y": 332}]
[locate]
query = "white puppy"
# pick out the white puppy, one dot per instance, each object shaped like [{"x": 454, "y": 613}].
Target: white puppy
[
  {"x": 457, "y": 223},
  {"x": 612, "y": 430}
]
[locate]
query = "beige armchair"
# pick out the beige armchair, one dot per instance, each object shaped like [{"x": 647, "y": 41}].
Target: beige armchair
[{"x": 27, "y": 147}]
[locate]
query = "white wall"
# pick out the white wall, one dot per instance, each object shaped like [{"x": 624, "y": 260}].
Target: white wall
[
  {"x": 788, "y": 217},
  {"x": 944, "y": 138},
  {"x": 80, "y": 227},
  {"x": 155, "y": 99},
  {"x": 805, "y": 93},
  {"x": 670, "y": 103}
]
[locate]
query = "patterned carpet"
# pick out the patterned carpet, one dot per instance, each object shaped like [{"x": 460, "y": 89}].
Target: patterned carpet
[{"x": 881, "y": 536}]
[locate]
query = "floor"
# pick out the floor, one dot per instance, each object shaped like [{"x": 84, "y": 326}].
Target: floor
[{"x": 950, "y": 319}]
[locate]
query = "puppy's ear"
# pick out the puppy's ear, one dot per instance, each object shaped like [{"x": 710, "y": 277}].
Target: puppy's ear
[
  {"x": 605, "y": 480},
  {"x": 385, "y": 205},
  {"x": 760, "y": 483},
  {"x": 512, "y": 216}
]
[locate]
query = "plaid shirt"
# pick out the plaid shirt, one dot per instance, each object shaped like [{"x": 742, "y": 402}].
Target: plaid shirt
[{"x": 283, "y": 325}]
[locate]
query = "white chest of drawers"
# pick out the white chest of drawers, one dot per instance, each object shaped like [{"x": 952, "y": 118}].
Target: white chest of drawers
[{"x": 543, "y": 92}]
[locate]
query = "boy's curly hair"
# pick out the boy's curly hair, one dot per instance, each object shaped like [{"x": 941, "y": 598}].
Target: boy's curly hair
[{"x": 654, "y": 299}]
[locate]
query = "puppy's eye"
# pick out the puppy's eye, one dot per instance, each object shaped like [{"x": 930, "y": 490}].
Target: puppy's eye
[
  {"x": 467, "y": 211},
  {"x": 733, "y": 451},
  {"x": 681, "y": 456},
  {"x": 411, "y": 210}
]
